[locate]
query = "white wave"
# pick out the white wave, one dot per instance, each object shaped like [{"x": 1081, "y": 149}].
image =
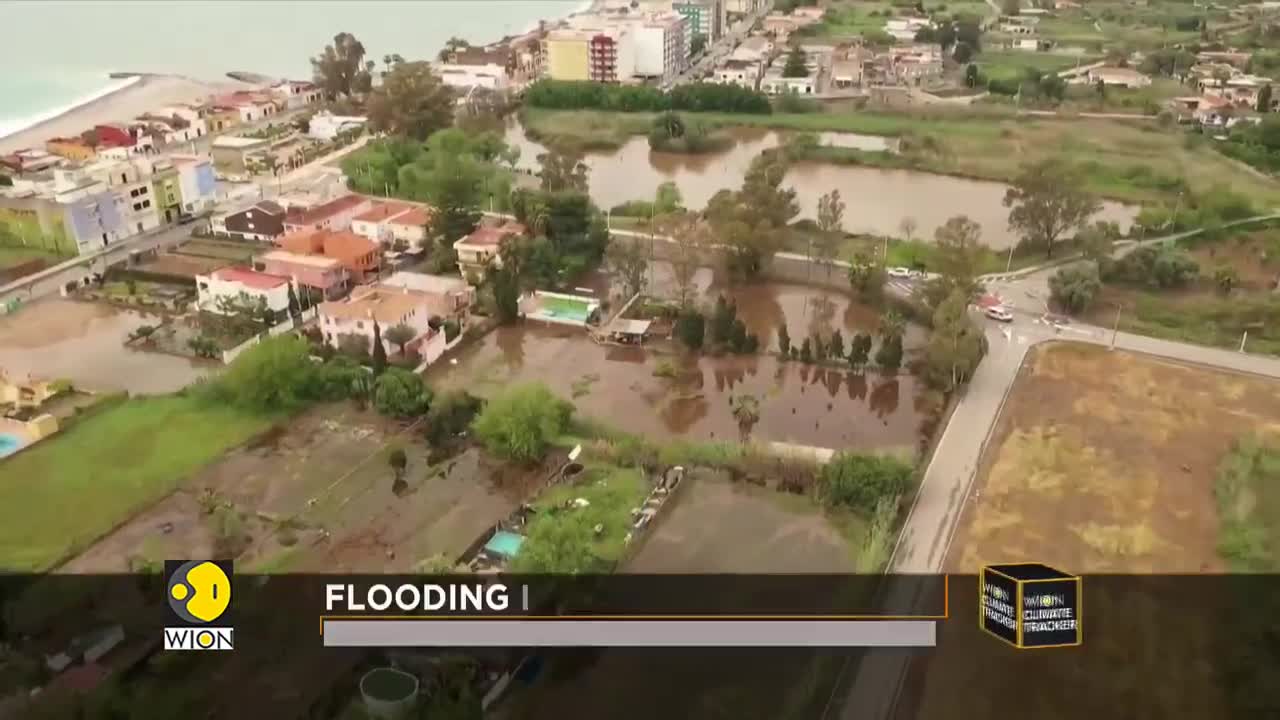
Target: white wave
[{"x": 17, "y": 125}]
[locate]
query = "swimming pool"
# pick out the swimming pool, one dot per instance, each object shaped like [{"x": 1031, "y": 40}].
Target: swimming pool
[
  {"x": 10, "y": 444},
  {"x": 505, "y": 543},
  {"x": 565, "y": 309}
]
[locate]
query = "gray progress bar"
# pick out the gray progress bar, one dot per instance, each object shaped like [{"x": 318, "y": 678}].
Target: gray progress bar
[{"x": 427, "y": 632}]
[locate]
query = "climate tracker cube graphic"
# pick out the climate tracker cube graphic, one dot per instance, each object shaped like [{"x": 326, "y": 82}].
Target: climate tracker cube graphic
[{"x": 1030, "y": 605}]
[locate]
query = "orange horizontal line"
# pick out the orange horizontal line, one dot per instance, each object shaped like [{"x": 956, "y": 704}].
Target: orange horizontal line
[{"x": 563, "y": 618}]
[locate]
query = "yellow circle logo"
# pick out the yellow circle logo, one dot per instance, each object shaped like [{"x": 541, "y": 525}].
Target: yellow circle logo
[{"x": 199, "y": 592}]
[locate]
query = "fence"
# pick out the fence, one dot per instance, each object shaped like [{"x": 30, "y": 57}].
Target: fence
[{"x": 285, "y": 326}]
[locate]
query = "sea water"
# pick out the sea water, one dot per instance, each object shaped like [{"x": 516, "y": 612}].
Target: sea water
[{"x": 57, "y": 54}]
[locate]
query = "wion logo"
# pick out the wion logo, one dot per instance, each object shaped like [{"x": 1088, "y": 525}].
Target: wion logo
[{"x": 199, "y": 594}]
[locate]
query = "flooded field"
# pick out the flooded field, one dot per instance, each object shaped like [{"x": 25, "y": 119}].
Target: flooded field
[
  {"x": 690, "y": 395},
  {"x": 877, "y": 199},
  {"x": 84, "y": 343}
]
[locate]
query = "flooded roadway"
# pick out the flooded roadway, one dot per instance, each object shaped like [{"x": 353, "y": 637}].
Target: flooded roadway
[
  {"x": 877, "y": 199},
  {"x": 84, "y": 343}
]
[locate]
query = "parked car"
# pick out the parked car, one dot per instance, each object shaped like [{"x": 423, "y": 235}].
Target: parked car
[
  {"x": 998, "y": 314},
  {"x": 898, "y": 272}
]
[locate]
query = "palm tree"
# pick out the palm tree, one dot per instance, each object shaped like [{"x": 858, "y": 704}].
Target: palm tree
[{"x": 892, "y": 325}]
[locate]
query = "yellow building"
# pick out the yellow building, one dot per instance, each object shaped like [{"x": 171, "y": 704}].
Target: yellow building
[
  {"x": 71, "y": 149},
  {"x": 567, "y": 54},
  {"x": 219, "y": 119}
]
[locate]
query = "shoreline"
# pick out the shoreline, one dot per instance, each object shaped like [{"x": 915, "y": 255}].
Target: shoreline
[
  {"x": 140, "y": 93},
  {"x": 130, "y": 94}
]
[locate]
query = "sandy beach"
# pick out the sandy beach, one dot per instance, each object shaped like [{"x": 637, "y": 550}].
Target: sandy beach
[{"x": 148, "y": 94}]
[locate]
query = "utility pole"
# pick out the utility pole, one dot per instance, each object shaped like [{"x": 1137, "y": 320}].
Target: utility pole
[
  {"x": 1243, "y": 339},
  {"x": 1116, "y": 329},
  {"x": 1009, "y": 265}
]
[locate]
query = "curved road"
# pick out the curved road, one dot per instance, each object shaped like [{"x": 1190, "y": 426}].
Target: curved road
[{"x": 948, "y": 481}]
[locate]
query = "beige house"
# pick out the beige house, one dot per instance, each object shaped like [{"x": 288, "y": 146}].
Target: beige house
[{"x": 481, "y": 247}]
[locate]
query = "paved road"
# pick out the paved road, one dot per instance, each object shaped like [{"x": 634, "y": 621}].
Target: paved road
[
  {"x": 947, "y": 485},
  {"x": 50, "y": 280}
]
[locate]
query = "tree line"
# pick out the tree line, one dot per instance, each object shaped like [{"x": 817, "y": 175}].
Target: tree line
[{"x": 690, "y": 97}]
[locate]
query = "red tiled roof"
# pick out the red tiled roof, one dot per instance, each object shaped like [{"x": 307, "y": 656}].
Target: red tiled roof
[
  {"x": 347, "y": 246},
  {"x": 250, "y": 278},
  {"x": 314, "y": 215},
  {"x": 493, "y": 235},
  {"x": 416, "y": 216},
  {"x": 383, "y": 211}
]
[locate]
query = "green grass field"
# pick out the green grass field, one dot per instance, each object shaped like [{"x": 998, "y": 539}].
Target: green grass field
[
  {"x": 1011, "y": 64},
  {"x": 66, "y": 491},
  {"x": 10, "y": 256}
]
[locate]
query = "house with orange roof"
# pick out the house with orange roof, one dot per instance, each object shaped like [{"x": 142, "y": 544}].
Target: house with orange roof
[
  {"x": 383, "y": 307},
  {"x": 477, "y": 250},
  {"x": 410, "y": 229},
  {"x": 315, "y": 276},
  {"x": 335, "y": 214},
  {"x": 359, "y": 256}
]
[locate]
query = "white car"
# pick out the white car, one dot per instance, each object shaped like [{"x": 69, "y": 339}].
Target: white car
[
  {"x": 898, "y": 272},
  {"x": 998, "y": 314}
]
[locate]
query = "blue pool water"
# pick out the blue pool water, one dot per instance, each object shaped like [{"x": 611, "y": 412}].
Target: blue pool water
[
  {"x": 505, "y": 543},
  {"x": 10, "y": 444}
]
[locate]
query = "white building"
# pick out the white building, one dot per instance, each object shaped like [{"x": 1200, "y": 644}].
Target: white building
[
  {"x": 326, "y": 125},
  {"x": 373, "y": 223},
  {"x": 1118, "y": 77},
  {"x": 450, "y": 298},
  {"x": 196, "y": 183},
  {"x": 773, "y": 83},
  {"x": 387, "y": 307},
  {"x": 297, "y": 94},
  {"x": 193, "y": 114},
  {"x": 905, "y": 29},
  {"x": 410, "y": 228},
  {"x": 660, "y": 50},
  {"x": 130, "y": 182},
  {"x": 233, "y": 282},
  {"x": 743, "y": 73},
  {"x": 489, "y": 77}
]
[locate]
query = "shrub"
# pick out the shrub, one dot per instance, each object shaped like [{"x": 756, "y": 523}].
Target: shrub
[
  {"x": 862, "y": 481},
  {"x": 691, "y": 328},
  {"x": 521, "y": 421},
  {"x": 400, "y": 393},
  {"x": 276, "y": 374},
  {"x": 450, "y": 414},
  {"x": 1074, "y": 288}
]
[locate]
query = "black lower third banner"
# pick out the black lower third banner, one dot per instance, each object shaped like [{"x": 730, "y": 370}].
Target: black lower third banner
[{"x": 204, "y": 641}]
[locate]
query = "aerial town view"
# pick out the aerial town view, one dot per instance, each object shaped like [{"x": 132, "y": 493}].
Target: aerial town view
[{"x": 482, "y": 290}]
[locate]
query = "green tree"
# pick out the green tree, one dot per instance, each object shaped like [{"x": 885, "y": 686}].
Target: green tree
[
  {"x": 972, "y": 78},
  {"x": 450, "y": 415},
  {"x": 354, "y": 346},
  {"x": 339, "y": 69},
  {"x": 400, "y": 393},
  {"x": 667, "y": 199},
  {"x": 627, "y": 259},
  {"x": 892, "y": 324},
  {"x": 753, "y": 221},
  {"x": 830, "y": 224},
  {"x": 835, "y": 349},
  {"x": 560, "y": 545},
  {"x": 1264, "y": 99},
  {"x": 697, "y": 45},
  {"x": 274, "y": 375},
  {"x": 806, "y": 351},
  {"x": 691, "y": 328},
  {"x": 295, "y": 308},
  {"x": 796, "y": 64},
  {"x": 1073, "y": 288},
  {"x": 784, "y": 341},
  {"x": 379, "y": 352},
  {"x": 889, "y": 354},
  {"x": 861, "y": 481},
  {"x": 521, "y": 421},
  {"x": 722, "y": 319},
  {"x": 859, "y": 350},
  {"x": 563, "y": 169},
  {"x": 956, "y": 345},
  {"x": 1097, "y": 241},
  {"x": 399, "y": 335},
  {"x": 505, "y": 286},
  {"x": 867, "y": 277},
  {"x": 1048, "y": 199},
  {"x": 957, "y": 260},
  {"x": 398, "y": 462}
]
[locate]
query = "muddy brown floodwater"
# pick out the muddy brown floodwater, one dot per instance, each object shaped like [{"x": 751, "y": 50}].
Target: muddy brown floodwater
[
  {"x": 877, "y": 199},
  {"x": 84, "y": 343},
  {"x": 801, "y": 404}
]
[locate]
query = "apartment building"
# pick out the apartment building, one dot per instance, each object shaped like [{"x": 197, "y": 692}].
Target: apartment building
[
  {"x": 660, "y": 49},
  {"x": 703, "y": 17}
]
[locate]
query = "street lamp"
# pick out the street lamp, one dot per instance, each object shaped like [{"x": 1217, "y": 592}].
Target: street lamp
[{"x": 1115, "y": 329}]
